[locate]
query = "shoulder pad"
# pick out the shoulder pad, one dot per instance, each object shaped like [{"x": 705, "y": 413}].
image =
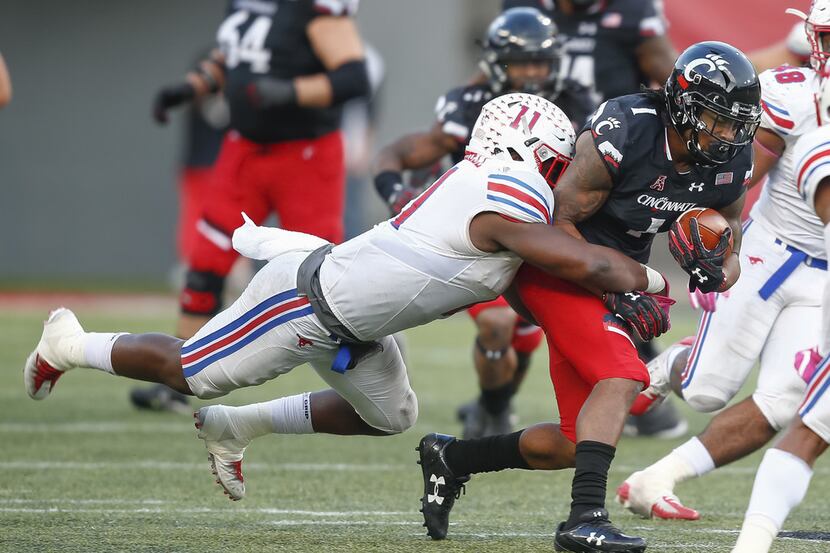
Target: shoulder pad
[
  {"x": 812, "y": 162},
  {"x": 336, "y": 7},
  {"x": 788, "y": 99},
  {"x": 520, "y": 195}
]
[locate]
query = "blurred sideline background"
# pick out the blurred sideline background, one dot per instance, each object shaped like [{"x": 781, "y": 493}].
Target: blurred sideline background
[{"x": 88, "y": 179}]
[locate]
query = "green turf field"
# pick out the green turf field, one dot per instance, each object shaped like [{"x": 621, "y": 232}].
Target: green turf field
[{"x": 84, "y": 472}]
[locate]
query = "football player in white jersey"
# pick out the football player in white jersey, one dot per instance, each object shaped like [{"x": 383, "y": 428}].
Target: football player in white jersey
[
  {"x": 785, "y": 472},
  {"x": 460, "y": 242},
  {"x": 777, "y": 301}
]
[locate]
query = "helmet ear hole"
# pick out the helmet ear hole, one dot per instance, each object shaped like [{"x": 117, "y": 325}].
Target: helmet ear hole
[{"x": 514, "y": 154}]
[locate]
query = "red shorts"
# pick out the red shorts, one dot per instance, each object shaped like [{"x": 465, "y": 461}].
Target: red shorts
[
  {"x": 526, "y": 336},
  {"x": 586, "y": 343},
  {"x": 194, "y": 183},
  {"x": 302, "y": 181}
]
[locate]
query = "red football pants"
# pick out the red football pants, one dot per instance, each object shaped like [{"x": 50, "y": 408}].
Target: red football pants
[
  {"x": 526, "y": 337},
  {"x": 194, "y": 187},
  {"x": 302, "y": 181},
  {"x": 586, "y": 342}
]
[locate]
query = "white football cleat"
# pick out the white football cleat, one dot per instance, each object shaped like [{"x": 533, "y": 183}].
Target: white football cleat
[
  {"x": 660, "y": 385},
  {"x": 225, "y": 449},
  {"x": 651, "y": 497},
  {"x": 49, "y": 361}
]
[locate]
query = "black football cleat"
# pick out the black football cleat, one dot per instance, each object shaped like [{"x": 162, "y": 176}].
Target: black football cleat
[
  {"x": 594, "y": 533},
  {"x": 160, "y": 398},
  {"x": 441, "y": 486}
]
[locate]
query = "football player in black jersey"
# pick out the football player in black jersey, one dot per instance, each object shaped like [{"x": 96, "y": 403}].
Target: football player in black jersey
[
  {"x": 521, "y": 53},
  {"x": 286, "y": 67},
  {"x": 615, "y": 47},
  {"x": 642, "y": 161}
]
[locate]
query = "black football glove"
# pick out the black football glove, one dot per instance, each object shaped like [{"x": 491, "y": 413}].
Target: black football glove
[
  {"x": 641, "y": 311},
  {"x": 394, "y": 192},
  {"x": 170, "y": 97},
  {"x": 705, "y": 267},
  {"x": 268, "y": 92}
]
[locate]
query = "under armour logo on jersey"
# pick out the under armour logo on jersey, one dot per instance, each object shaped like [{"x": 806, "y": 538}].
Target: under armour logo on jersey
[
  {"x": 696, "y": 187},
  {"x": 634, "y": 297},
  {"x": 592, "y": 537},
  {"x": 303, "y": 342},
  {"x": 699, "y": 275},
  {"x": 612, "y": 123},
  {"x": 436, "y": 481},
  {"x": 659, "y": 184},
  {"x": 754, "y": 260}
]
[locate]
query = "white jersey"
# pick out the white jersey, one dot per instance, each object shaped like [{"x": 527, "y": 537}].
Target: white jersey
[
  {"x": 789, "y": 110},
  {"x": 422, "y": 265},
  {"x": 812, "y": 163}
]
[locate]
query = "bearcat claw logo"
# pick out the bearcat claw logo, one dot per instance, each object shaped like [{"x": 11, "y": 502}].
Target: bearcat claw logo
[
  {"x": 611, "y": 123},
  {"x": 713, "y": 67}
]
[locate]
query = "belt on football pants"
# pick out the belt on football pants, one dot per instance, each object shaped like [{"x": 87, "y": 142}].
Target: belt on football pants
[{"x": 797, "y": 257}]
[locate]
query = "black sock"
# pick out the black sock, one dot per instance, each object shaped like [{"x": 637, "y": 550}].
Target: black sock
[
  {"x": 486, "y": 454},
  {"x": 497, "y": 400},
  {"x": 593, "y": 459}
]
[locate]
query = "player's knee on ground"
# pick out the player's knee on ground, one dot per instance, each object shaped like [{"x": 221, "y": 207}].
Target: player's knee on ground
[
  {"x": 202, "y": 294},
  {"x": 778, "y": 409},
  {"x": 397, "y": 417},
  {"x": 495, "y": 328}
]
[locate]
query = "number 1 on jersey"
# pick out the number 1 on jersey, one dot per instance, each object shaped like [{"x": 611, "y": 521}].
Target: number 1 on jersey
[{"x": 417, "y": 202}]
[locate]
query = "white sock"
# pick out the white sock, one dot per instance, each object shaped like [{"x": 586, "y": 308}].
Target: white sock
[
  {"x": 780, "y": 485},
  {"x": 97, "y": 350},
  {"x": 696, "y": 456},
  {"x": 681, "y": 464},
  {"x": 286, "y": 415}
]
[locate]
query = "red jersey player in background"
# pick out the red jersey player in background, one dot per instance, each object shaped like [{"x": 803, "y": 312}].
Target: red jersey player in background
[{"x": 285, "y": 67}]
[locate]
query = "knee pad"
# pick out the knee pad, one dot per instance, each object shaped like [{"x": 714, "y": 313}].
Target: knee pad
[
  {"x": 779, "y": 410},
  {"x": 704, "y": 403},
  {"x": 202, "y": 294},
  {"x": 402, "y": 418}
]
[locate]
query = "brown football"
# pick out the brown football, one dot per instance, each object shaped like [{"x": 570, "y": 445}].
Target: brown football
[{"x": 711, "y": 225}]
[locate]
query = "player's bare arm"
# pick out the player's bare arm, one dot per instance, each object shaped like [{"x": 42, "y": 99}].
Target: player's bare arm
[
  {"x": 416, "y": 150},
  {"x": 552, "y": 249},
  {"x": 337, "y": 43},
  {"x": 583, "y": 188},
  {"x": 822, "y": 200},
  {"x": 732, "y": 264},
  {"x": 5, "y": 84},
  {"x": 655, "y": 57},
  {"x": 768, "y": 148}
]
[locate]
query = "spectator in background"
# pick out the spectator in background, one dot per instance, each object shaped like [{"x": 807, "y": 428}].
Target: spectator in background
[
  {"x": 794, "y": 50},
  {"x": 615, "y": 47},
  {"x": 5, "y": 84},
  {"x": 285, "y": 73}
]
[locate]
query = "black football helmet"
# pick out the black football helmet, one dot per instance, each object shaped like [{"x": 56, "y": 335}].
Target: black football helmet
[
  {"x": 520, "y": 35},
  {"x": 714, "y": 89}
]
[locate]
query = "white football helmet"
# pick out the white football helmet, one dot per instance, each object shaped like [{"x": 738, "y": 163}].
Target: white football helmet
[
  {"x": 816, "y": 23},
  {"x": 526, "y": 128}
]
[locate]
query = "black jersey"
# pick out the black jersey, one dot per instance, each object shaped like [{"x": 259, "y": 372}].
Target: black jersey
[
  {"x": 599, "y": 45},
  {"x": 458, "y": 109},
  {"x": 268, "y": 38},
  {"x": 648, "y": 194}
]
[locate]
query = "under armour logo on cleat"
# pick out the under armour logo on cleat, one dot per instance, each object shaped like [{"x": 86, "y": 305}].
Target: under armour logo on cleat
[
  {"x": 594, "y": 538},
  {"x": 699, "y": 275},
  {"x": 436, "y": 481},
  {"x": 303, "y": 342}
]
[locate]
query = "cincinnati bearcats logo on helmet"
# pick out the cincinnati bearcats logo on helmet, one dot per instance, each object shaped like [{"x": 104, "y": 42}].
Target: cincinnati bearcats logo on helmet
[{"x": 712, "y": 65}]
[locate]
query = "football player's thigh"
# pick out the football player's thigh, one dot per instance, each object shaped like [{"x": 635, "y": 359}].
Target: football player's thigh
[
  {"x": 378, "y": 387},
  {"x": 780, "y": 388},
  {"x": 727, "y": 346},
  {"x": 256, "y": 338}
]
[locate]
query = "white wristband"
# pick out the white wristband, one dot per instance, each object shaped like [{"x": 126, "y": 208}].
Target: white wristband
[{"x": 656, "y": 282}]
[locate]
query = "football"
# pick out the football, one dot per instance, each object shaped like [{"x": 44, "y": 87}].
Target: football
[{"x": 711, "y": 225}]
